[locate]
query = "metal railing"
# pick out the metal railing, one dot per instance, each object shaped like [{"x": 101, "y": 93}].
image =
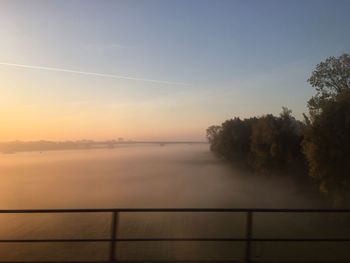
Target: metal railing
[{"x": 115, "y": 212}]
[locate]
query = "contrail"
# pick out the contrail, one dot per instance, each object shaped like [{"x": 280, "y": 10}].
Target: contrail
[{"x": 93, "y": 74}]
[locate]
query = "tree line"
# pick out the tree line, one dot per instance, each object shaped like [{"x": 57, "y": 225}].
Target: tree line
[{"x": 316, "y": 148}]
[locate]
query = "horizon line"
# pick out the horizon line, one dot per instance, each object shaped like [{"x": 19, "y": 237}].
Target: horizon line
[{"x": 111, "y": 140}]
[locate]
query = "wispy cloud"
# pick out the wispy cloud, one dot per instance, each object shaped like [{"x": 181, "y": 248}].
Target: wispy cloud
[{"x": 93, "y": 74}]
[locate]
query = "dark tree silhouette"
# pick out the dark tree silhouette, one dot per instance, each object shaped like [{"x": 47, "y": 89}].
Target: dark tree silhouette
[
  {"x": 275, "y": 142},
  {"x": 330, "y": 78},
  {"x": 263, "y": 144},
  {"x": 213, "y": 136},
  {"x": 327, "y": 137}
]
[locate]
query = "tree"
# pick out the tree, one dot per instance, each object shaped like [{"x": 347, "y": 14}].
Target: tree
[
  {"x": 235, "y": 140},
  {"x": 264, "y": 144},
  {"x": 327, "y": 148},
  {"x": 275, "y": 142},
  {"x": 213, "y": 136},
  {"x": 231, "y": 140},
  {"x": 330, "y": 78},
  {"x": 327, "y": 138}
]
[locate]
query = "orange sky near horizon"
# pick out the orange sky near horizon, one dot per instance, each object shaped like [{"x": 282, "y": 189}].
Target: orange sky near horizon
[{"x": 28, "y": 112}]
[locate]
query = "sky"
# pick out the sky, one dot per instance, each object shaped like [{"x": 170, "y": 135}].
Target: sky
[{"x": 158, "y": 70}]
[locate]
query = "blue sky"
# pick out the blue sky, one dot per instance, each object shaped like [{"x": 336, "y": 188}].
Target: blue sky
[{"x": 219, "y": 59}]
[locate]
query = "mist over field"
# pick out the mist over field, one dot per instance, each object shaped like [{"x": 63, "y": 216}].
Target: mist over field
[
  {"x": 149, "y": 175},
  {"x": 185, "y": 175}
]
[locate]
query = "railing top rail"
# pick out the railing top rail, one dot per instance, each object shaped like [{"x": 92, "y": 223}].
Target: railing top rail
[{"x": 203, "y": 210}]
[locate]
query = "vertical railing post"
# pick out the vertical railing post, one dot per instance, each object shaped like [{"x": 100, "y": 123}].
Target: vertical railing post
[
  {"x": 114, "y": 229},
  {"x": 249, "y": 228}
]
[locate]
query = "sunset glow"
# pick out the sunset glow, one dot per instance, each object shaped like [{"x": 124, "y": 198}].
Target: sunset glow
[{"x": 125, "y": 69}]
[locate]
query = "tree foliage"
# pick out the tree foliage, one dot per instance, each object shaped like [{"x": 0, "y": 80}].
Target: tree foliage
[
  {"x": 264, "y": 144},
  {"x": 213, "y": 136},
  {"x": 231, "y": 140},
  {"x": 330, "y": 78},
  {"x": 275, "y": 141},
  {"x": 327, "y": 137}
]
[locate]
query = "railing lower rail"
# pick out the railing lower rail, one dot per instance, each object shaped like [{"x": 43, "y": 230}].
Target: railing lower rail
[{"x": 113, "y": 240}]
